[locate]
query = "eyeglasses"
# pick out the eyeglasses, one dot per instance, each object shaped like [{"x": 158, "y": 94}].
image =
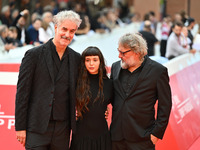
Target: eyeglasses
[{"x": 123, "y": 53}]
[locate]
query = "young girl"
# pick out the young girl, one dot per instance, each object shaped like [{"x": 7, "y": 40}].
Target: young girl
[{"x": 94, "y": 92}]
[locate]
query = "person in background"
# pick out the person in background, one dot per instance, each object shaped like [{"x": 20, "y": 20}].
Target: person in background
[
  {"x": 5, "y": 15},
  {"x": 177, "y": 18},
  {"x": 20, "y": 23},
  {"x": 135, "y": 18},
  {"x": 190, "y": 25},
  {"x": 147, "y": 17},
  {"x": 185, "y": 40},
  {"x": 85, "y": 25},
  {"x": 184, "y": 16},
  {"x": 12, "y": 37},
  {"x": 139, "y": 83},
  {"x": 34, "y": 16},
  {"x": 47, "y": 31},
  {"x": 4, "y": 45},
  {"x": 14, "y": 14},
  {"x": 38, "y": 8},
  {"x": 197, "y": 38},
  {"x": 149, "y": 37},
  {"x": 33, "y": 32},
  {"x": 154, "y": 21},
  {"x": 45, "y": 98},
  {"x": 98, "y": 23},
  {"x": 174, "y": 46},
  {"x": 165, "y": 30},
  {"x": 94, "y": 92},
  {"x": 111, "y": 18},
  {"x": 54, "y": 5}
]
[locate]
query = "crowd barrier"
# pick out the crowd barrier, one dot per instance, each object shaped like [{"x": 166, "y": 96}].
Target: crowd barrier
[{"x": 183, "y": 131}]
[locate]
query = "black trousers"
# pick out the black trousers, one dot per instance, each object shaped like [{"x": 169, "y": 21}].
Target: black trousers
[
  {"x": 56, "y": 137},
  {"x": 163, "y": 45},
  {"x": 128, "y": 145}
]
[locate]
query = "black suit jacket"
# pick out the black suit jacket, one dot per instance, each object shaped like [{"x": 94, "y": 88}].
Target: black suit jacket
[
  {"x": 133, "y": 115},
  {"x": 35, "y": 89}
]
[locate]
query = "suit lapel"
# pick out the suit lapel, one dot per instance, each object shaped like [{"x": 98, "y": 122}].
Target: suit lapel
[
  {"x": 117, "y": 81},
  {"x": 62, "y": 68},
  {"x": 71, "y": 69},
  {"x": 48, "y": 58}
]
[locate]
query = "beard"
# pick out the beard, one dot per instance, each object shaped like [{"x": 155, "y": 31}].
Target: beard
[
  {"x": 131, "y": 62},
  {"x": 124, "y": 65}
]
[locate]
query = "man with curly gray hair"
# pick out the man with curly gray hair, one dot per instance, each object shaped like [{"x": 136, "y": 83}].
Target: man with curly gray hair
[
  {"x": 139, "y": 83},
  {"x": 45, "y": 99}
]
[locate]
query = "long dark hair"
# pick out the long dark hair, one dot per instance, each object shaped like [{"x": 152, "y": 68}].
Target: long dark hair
[{"x": 83, "y": 93}]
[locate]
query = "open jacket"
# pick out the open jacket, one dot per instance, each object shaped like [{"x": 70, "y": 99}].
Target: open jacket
[
  {"x": 36, "y": 86},
  {"x": 133, "y": 116}
]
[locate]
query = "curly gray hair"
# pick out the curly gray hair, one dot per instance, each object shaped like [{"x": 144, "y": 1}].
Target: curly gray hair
[
  {"x": 135, "y": 42},
  {"x": 67, "y": 15}
]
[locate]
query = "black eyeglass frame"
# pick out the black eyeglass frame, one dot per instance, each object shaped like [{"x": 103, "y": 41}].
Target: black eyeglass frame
[{"x": 123, "y": 53}]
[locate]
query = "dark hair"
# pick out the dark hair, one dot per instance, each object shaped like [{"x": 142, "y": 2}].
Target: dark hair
[
  {"x": 152, "y": 13},
  {"x": 190, "y": 20},
  {"x": 177, "y": 23},
  {"x": 146, "y": 17},
  {"x": 83, "y": 93},
  {"x": 36, "y": 19}
]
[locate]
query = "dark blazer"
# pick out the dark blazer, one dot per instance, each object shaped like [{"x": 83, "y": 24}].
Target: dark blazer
[
  {"x": 35, "y": 89},
  {"x": 133, "y": 115}
]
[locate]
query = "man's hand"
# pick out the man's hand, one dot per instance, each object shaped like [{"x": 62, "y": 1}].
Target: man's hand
[
  {"x": 36, "y": 43},
  {"x": 21, "y": 136},
  {"x": 25, "y": 12},
  {"x": 154, "y": 139},
  {"x": 193, "y": 51}
]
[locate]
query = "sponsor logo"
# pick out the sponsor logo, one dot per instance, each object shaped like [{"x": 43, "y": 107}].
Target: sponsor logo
[{"x": 6, "y": 120}]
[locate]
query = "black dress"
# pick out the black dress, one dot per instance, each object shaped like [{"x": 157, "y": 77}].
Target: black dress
[{"x": 92, "y": 130}]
